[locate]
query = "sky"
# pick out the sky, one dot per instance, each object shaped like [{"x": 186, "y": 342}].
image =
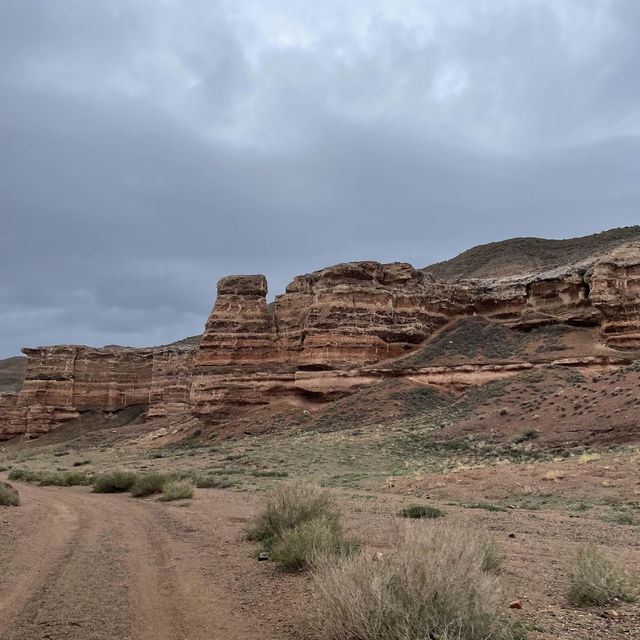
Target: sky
[{"x": 150, "y": 147}]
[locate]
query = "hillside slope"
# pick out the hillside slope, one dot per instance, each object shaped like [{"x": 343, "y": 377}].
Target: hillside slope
[{"x": 521, "y": 256}]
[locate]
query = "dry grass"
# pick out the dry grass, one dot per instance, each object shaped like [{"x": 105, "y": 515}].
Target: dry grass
[
  {"x": 289, "y": 506},
  {"x": 114, "y": 482},
  {"x": 177, "y": 490},
  {"x": 596, "y": 580},
  {"x": 304, "y": 546},
  {"x": 433, "y": 585},
  {"x": 9, "y": 497}
]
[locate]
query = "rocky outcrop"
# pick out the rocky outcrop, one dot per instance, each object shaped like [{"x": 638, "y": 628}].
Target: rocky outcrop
[
  {"x": 344, "y": 327},
  {"x": 64, "y": 381},
  {"x": 345, "y": 318},
  {"x": 615, "y": 290}
]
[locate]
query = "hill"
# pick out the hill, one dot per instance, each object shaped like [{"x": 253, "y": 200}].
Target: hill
[{"x": 521, "y": 256}]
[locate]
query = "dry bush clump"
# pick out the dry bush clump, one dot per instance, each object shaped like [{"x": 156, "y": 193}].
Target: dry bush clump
[
  {"x": 596, "y": 580},
  {"x": 299, "y": 525},
  {"x": 290, "y": 505},
  {"x": 303, "y": 546},
  {"x": 114, "y": 481},
  {"x": 148, "y": 484},
  {"x": 9, "y": 497},
  {"x": 177, "y": 490},
  {"x": 433, "y": 585}
]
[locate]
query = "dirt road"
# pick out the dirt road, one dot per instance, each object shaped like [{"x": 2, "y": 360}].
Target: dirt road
[{"x": 83, "y": 566}]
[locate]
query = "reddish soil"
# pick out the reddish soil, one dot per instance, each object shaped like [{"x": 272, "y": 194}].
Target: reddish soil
[{"x": 77, "y": 565}]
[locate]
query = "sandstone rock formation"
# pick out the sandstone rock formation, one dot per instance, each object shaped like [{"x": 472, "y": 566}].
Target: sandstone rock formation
[{"x": 344, "y": 327}]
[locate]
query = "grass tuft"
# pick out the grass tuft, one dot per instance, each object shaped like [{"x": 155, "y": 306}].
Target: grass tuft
[
  {"x": 9, "y": 497},
  {"x": 433, "y": 585},
  {"x": 289, "y": 506},
  {"x": 302, "y": 547},
  {"x": 177, "y": 490},
  {"x": 421, "y": 511},
  {"x": 148, "y": 484},
  {"x": 114, "y": 482},
  {"x": 596, "y": 580}
]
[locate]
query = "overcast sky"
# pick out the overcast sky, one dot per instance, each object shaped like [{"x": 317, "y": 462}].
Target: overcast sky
[{"x": 150, "y": 147}]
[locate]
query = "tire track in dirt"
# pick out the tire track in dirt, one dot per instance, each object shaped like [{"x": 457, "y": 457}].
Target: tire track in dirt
[{"x": 95, "y": 567}]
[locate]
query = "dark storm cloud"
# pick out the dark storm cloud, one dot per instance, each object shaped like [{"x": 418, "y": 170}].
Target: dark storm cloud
[{"x": 147, "y": 149}]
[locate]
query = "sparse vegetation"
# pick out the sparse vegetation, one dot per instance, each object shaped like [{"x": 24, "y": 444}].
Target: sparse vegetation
[
  {"x": 114, "y": 482},
  {"x": 433, "y": 585},
  {"x": 487, "y": 506},
  {"x": 299, "y": 525},
  {"x": 148, "y": 484},
  {"x": 9, "y": 497},
  {"x": 54, "y": 478},
  {"x": 300, "y": 548},
  {"x": 597, "y": 580},
  {"x": 289, "y": 506},
  {"x": 421, "y": 511},
  {"x": 177, "y": 490}
]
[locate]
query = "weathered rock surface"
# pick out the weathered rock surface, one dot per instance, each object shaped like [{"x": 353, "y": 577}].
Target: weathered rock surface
[{"x": 344, "y": 327}]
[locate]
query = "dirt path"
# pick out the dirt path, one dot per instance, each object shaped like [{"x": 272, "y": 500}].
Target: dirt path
[{"x": 76, "y": 565}]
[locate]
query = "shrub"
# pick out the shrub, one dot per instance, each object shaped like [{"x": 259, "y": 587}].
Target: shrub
[
  {"x": 289, "y": 506},
  {"x": 64, "y": 478},
  {"x": 433, "y": 585},
  {"x": 177, "y": 490},
  {"x": 55, "y": 478},
  {"x": 597, "y": 580},
  {"x": 114, "y": 482},
  {"x": 148, "y": 484},
  {"x": 421, "y": 511},
  {"x": 9, "y": 497},
  {"x": 21, "y": 475},
  {"x": 212, "y": 482},
  {"x": 300, "y": 548}
]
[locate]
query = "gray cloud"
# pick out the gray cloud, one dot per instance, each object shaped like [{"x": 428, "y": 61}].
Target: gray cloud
[{"x": 147, "y": 149}]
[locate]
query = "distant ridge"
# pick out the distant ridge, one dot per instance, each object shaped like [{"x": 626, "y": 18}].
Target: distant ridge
[{"x": 529, "y": 255}]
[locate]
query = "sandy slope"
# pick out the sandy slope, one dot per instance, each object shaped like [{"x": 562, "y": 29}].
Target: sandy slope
[{"x": 76, "y": 565}]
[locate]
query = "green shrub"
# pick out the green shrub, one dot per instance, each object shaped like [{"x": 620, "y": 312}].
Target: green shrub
[
  {"x": 55, "y": 478},
  {"x": 596, "y": 580},
  {"x": 22, "y": 475},
  {"x": 148, "y": 484},
  {"x": 63, "y": 478},
  {"x": 289, "y": 506},
  {"x": 421, "y": 511},
  {"x": 432, "y": 585},
  {"x": 301, "y": 547},
  {"x": 212, "y": 482},
  {"x": 177, "y": 490},
  {"x": 9, "y": 497},
  {"x": 114, "y": 482}
]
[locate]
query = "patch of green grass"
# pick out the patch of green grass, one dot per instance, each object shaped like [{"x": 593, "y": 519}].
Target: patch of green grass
[
  {"x": 620, "y": 517},
  {"x": 421, "y": 511}
]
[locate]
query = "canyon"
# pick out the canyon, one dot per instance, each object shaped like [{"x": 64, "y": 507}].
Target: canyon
[{"x": 348, "y": 326}]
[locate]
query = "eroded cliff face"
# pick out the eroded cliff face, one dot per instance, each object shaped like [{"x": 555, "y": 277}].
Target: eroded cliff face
[
  {"x": 62, "y": 382},
  {"x": 333, "y": 327},
  {"x": 332, "y": 332}
]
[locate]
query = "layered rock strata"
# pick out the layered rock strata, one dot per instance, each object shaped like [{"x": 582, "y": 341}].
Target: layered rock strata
[{"x": 332, "y": 332}]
